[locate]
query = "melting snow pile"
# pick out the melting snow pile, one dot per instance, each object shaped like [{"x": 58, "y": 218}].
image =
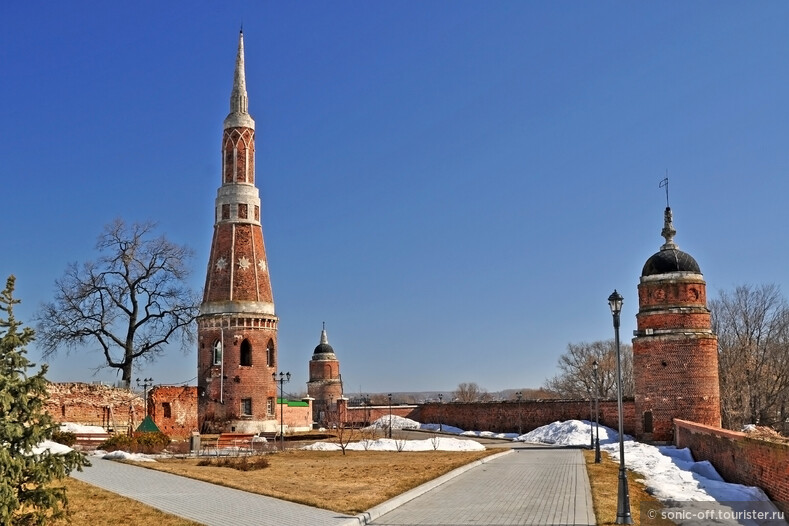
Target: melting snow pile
[
  {"x": 395, "y": 422},
  {"x": 398, "y": 422},
  {"x": 71, "y": 427},
  {"x": 53, "y": 447},
  {"x": 388, "y": 444},
  {"x": 670, "y": 474},
  {"x": 123, "y": 455},
  {"x": 436, "y": 443}
]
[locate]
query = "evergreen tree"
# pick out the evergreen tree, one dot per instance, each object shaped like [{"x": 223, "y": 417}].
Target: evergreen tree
[{"x": 27, "y": 495}]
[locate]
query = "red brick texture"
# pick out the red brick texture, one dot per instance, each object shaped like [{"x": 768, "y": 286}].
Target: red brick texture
[
  {"x": 231, "y": 282},
  {"x": 222, "y": 387},
  {"x": 174, "y": 410},
  {"x": 296, "y": 417},
  {"x": 324, "y": 386},
  {"x": 675, "y": 357},
  {"x": 499, "y": 417},
  {"x": 238, "y": 155},
  {"x": 738, "y": 458},
  {"x": 677, "y": 377},
  {"x": 95, "y": 405}
]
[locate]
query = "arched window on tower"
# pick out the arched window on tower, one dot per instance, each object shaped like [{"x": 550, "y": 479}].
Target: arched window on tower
[
  {"x": 217, "y": 349},
  {"x": 270, "y": 354},
  {"x": 246, "y": 352}
]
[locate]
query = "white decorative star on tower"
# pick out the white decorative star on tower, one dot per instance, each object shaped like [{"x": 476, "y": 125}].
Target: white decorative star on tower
[
  {"x": 221, "y": 264},
  {"x": 243, "y": 263}
]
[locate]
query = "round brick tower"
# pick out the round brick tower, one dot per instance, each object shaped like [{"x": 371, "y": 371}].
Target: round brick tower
[
  {"x": 325, "y": 384},
  {"x": 237, "y": 324},
  {"x": 675, "y": 353}
]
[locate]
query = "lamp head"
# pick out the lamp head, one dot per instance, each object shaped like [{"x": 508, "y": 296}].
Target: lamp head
[{"x": 615, "y": 301}]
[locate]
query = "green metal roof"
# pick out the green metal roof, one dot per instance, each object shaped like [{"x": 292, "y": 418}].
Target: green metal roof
[
  {"x": 147, "y": 426},
  {"x": 293, "y": 403}
]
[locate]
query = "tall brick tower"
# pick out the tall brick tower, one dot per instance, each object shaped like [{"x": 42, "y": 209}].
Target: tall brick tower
[
  {"x": 237, "y": 325},
  {"x": 325, "y": 384},
  {"x": 675, "y": 352}
]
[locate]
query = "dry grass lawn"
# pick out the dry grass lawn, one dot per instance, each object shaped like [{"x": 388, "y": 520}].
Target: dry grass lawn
[
  {"x": 91, "y": 505},
  {"x": 604, "y": 478},
  {"x": 350, "y": 483}
]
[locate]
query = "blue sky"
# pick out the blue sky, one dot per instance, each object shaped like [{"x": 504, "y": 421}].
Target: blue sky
[{"x": 455, "y": 188}]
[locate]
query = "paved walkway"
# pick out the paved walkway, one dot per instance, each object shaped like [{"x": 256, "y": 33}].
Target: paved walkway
[
  {"x": 203, "y": 502},
  {"x": 527, "y": 486}
]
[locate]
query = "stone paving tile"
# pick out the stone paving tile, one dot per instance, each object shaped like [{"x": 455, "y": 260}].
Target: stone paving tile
[
  {"x": 529, "y": 487},
  {"x": 200, "y": 501}
]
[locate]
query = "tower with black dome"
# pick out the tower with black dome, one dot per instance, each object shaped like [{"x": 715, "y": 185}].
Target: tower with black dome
[
  {"x": 325, "y": 384},
  {"x": 675, "y": 352}
]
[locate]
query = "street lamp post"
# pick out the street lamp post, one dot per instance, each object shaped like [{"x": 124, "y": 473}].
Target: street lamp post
[
  {"x": 623, "y": 497},
  {"x": 591, "y": 415},
  {"x": 440, "y": 423},
  {"x": 145, "y": 383},
  {"x": 597, "y": 458},
  {"x": 519, "y": 396},
  {"x": 390, "y": 414},
  {"x": 283, "y": 377}
]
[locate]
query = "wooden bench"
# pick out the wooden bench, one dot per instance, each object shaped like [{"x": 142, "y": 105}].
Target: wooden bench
[
  {"x": 90, "y": 440},
  {"x": 239, "y": 441},
  {"x": 235, "y": 440}
]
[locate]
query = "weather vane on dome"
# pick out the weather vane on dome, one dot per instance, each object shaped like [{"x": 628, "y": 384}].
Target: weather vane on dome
[{"x": 663, "y": 183}]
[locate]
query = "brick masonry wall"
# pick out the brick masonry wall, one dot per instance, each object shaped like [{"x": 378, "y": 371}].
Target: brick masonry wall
[
  {"x": 95, "y": 405},
  {"x": 505, "y": 417},
  {"x": 364, "y": 415},
  {"x": 675, "y": 376},
  {"x": 739, "y": 459},
  {"x": 180, "y": 403},
  {"x": 664, "y": 293},
  {"x": 297, "y": 418},
  {"x": 222, "y": 388}
]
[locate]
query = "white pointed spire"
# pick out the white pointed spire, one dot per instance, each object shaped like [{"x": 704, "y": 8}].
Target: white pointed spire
[
  {"x": 324, "y": 337},
  {"x": 239, "y": 101}
]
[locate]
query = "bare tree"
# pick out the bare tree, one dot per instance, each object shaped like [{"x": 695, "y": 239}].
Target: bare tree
[
  {"x": 132, "y": 300},
  {"x": 470, "y": 392},
  {"x": 752, "y": 325},
  {"x": 576, "y": 376},
  {"x": 343, "y": 429}
]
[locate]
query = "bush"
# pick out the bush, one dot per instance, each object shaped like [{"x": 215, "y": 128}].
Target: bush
[
  {"x": 67, "y": 438},
  {"x": 239, "y": 463},
  {"x": 150, "y": 443}
]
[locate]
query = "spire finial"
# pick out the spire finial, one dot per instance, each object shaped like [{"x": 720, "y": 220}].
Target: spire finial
[
  {"x": 324, "y": 338},
  {"x": 663, "y": 183},
  {"x": 238, "y": 97},
  {"x": 668, "y": 224}
]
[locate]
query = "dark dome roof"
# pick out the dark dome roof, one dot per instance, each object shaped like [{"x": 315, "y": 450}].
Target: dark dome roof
[
  {"x": 670, "y": 260},
  {"x": 323, "y": 348}
]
